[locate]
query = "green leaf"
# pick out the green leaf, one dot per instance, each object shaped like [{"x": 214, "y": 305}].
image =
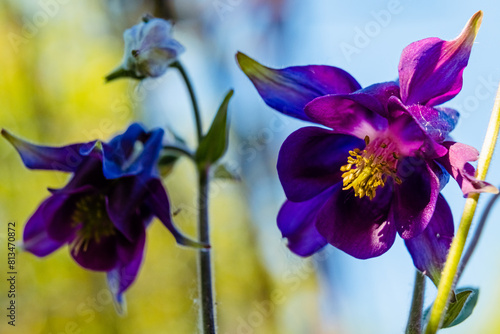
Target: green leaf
[
  {"x": 460, "y": 309},
  {"x": 214, "y": 144}
]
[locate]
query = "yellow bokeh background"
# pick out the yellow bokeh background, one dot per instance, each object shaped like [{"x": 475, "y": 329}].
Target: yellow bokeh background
[{"x": 52, "y": 92}]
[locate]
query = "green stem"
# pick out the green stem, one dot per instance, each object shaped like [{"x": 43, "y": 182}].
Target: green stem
[
  {"x": 415, "y": 319},
  {"x": 205, "y": 262},
  {"x": 207, "y": 310},
  {"x": 184, "y": 151},
  {"x": 196, "y": 109},
  {"x": 458, "y": 243}
]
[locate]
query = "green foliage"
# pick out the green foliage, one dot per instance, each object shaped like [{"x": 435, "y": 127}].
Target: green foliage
[
  {"x": 460, "y": 309},
  {"x": 214, "y": 144}
]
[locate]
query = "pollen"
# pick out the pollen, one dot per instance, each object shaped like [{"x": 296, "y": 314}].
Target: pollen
[
  {"x": 367, "y": 170},
  {"x": 91, "y": 215}
]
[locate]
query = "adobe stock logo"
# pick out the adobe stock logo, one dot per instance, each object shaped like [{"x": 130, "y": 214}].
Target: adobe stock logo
[
  {"x": 31, "y": 26},
  {"x": 363, "y": 36}
]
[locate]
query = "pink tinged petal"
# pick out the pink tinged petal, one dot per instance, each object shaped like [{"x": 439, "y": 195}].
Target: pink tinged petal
[
  {"x": 66, "y": 158},
  {"x": 36, "y": 239},
  {"x": 158, "y": 202},
  {"x": 288, "y": 90},
  {"x": 310, "y": 159},
  {"x": 430, "y": 70},
  {"x": 297, "y": 223},
  {"x": 415, "y": 198},
  {"x": 456, "y": 163},
  {"x": 97, "y": 255},
  {"x": 359, "y": 227},
  {"x": 346, "y": 116},
  {"x": 429, "y": 249},
  {"x": 130, "y": 258}
]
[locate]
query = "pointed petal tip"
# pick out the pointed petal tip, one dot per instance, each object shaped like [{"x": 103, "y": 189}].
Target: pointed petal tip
[
  {"x": 472, "y": 27},
  {"x": 183, "y": 241},
  {"x": 489, "y": 188},
  {"x": 120, "y": 305},
  {"x": 6, "y": 134},
  {"x": 248, "y": 65}
]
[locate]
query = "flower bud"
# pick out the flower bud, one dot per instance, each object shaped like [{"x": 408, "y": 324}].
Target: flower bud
[{"x": 149, "y": 50}]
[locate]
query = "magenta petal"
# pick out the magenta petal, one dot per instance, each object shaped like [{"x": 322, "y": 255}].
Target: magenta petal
[
  {"x": 345, "y": 116},
  {"x": 98, "y": 256},
  {"x": 359, "y": 227},
  {"x": 415, "y": 198},
  {"x": 130, "y": 258},
  {"x": 429, "y": 249},
  {"x": 430, "y": 70},
  {"x": 456, "y": 163},
  {"x": 288, "y": 90},
  {"x": 297, "y": 223},
  {"x": 36, "y": 240},
  {"x": 65, "y": 158},
  {"x": 310, "y": 159}
]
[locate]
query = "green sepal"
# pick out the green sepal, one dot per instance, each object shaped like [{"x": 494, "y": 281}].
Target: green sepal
[
  {"x": 458, "y": 310},
  {"x": 214, "y": 144}
]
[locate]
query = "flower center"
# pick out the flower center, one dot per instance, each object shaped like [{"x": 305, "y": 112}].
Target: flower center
[
  {"x": 90, "y": 213},
  {"x": 369, "y": 169}
]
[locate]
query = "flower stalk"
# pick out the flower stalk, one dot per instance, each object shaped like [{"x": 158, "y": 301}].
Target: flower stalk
[
  {"x": 205, "y": 261},
  {"x": 206, "y": 296},
  {"x": 415, "y": 319},
  {"x": 196, "y": 109},
  {"x": 458, "y": 243}
]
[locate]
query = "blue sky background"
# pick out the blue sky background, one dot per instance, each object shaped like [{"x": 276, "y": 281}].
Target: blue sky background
[{"x": 373, "y": 296}]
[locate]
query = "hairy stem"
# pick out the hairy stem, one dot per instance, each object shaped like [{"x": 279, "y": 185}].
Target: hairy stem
[
  {"x": 414, "y": 325},
  {"x": 458, "y": 243}
]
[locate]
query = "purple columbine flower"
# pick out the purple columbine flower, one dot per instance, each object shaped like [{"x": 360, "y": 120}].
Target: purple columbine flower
[
  {"x": 149, "y": 49},
  {"x": 378, "y": 168},
  {"x": 103, "y": 211}
]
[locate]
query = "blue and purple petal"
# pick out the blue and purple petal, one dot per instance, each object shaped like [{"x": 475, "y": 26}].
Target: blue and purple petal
[
  {"x": 131, "y": 153},
  {"x": 288, "y": 90},
  {"x": 358, "y": 226},
  {"x": 430, "y": 248},
  {"x": 65, "y": 158},
  {"x": 310, "y": 159}
]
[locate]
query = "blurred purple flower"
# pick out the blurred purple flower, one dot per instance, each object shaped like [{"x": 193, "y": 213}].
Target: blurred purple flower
[
  {"x": 379, "y": 168},
  {"x": 103, "y": 211},
  {"x": 149, "y": 50}
]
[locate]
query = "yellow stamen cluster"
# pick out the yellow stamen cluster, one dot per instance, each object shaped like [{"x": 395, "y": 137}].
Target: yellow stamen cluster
[
  {"x": 369, "y": 169},
  {"x": 90, "y": 213}
]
